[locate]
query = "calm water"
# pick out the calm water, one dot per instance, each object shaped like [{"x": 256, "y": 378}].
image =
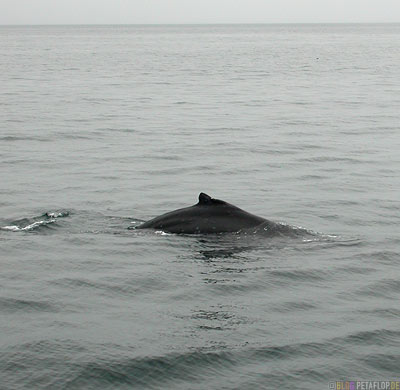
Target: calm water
[{"x": 101, "y": 127}]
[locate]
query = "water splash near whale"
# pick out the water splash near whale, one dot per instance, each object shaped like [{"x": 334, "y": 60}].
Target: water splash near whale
[{"x": 35, "y": 223}]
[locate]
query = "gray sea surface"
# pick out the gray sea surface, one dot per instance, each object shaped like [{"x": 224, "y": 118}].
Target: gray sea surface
[{"x": 102, "y": 127}]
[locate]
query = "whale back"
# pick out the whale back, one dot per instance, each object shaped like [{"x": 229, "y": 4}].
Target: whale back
[{"x": 209, "y": 215}]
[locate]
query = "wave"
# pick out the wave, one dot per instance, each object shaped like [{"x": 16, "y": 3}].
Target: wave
[
  {"x": 81, "y": 364},
  {"x": 374, "y": 337},
  {"x": 24, "y": 305},
  {"x": 90, "y": 366},
  {"x": 12, "y": 138},
  {"x": 110, "y": 369}
]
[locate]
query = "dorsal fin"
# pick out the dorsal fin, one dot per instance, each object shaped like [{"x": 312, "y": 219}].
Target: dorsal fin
[{"x": 204, "y": 198}]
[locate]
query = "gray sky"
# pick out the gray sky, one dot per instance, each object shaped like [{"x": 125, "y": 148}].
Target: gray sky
[{"x": 196, "y": 11}]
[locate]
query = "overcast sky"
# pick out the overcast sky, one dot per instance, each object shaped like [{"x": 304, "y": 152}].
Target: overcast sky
[{"x": 196, "y": 11}]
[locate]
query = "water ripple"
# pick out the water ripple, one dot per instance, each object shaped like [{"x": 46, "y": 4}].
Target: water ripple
[{"x": 11, "y": 305}]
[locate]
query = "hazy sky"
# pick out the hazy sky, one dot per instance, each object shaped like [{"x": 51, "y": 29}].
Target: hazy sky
[{"x": 196, "y": 11}]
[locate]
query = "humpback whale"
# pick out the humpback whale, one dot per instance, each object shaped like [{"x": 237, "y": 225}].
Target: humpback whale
[{"x": 207, "y": 216}]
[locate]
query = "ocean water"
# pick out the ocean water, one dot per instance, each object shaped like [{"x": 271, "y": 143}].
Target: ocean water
[{"x": 102, "y": 127}]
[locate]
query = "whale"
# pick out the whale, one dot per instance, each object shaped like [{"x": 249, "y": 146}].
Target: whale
[{"x": 209, "y": 215}]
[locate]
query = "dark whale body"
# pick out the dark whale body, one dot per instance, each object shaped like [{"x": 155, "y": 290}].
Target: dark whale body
[{"x": 208, "y": 216}]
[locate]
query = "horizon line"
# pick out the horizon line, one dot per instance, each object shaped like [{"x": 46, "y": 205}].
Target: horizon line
[{"x": 186, "y": 24}]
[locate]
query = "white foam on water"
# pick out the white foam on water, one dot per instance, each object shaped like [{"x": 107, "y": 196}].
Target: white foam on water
[{"x": 31, "y": 226}]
